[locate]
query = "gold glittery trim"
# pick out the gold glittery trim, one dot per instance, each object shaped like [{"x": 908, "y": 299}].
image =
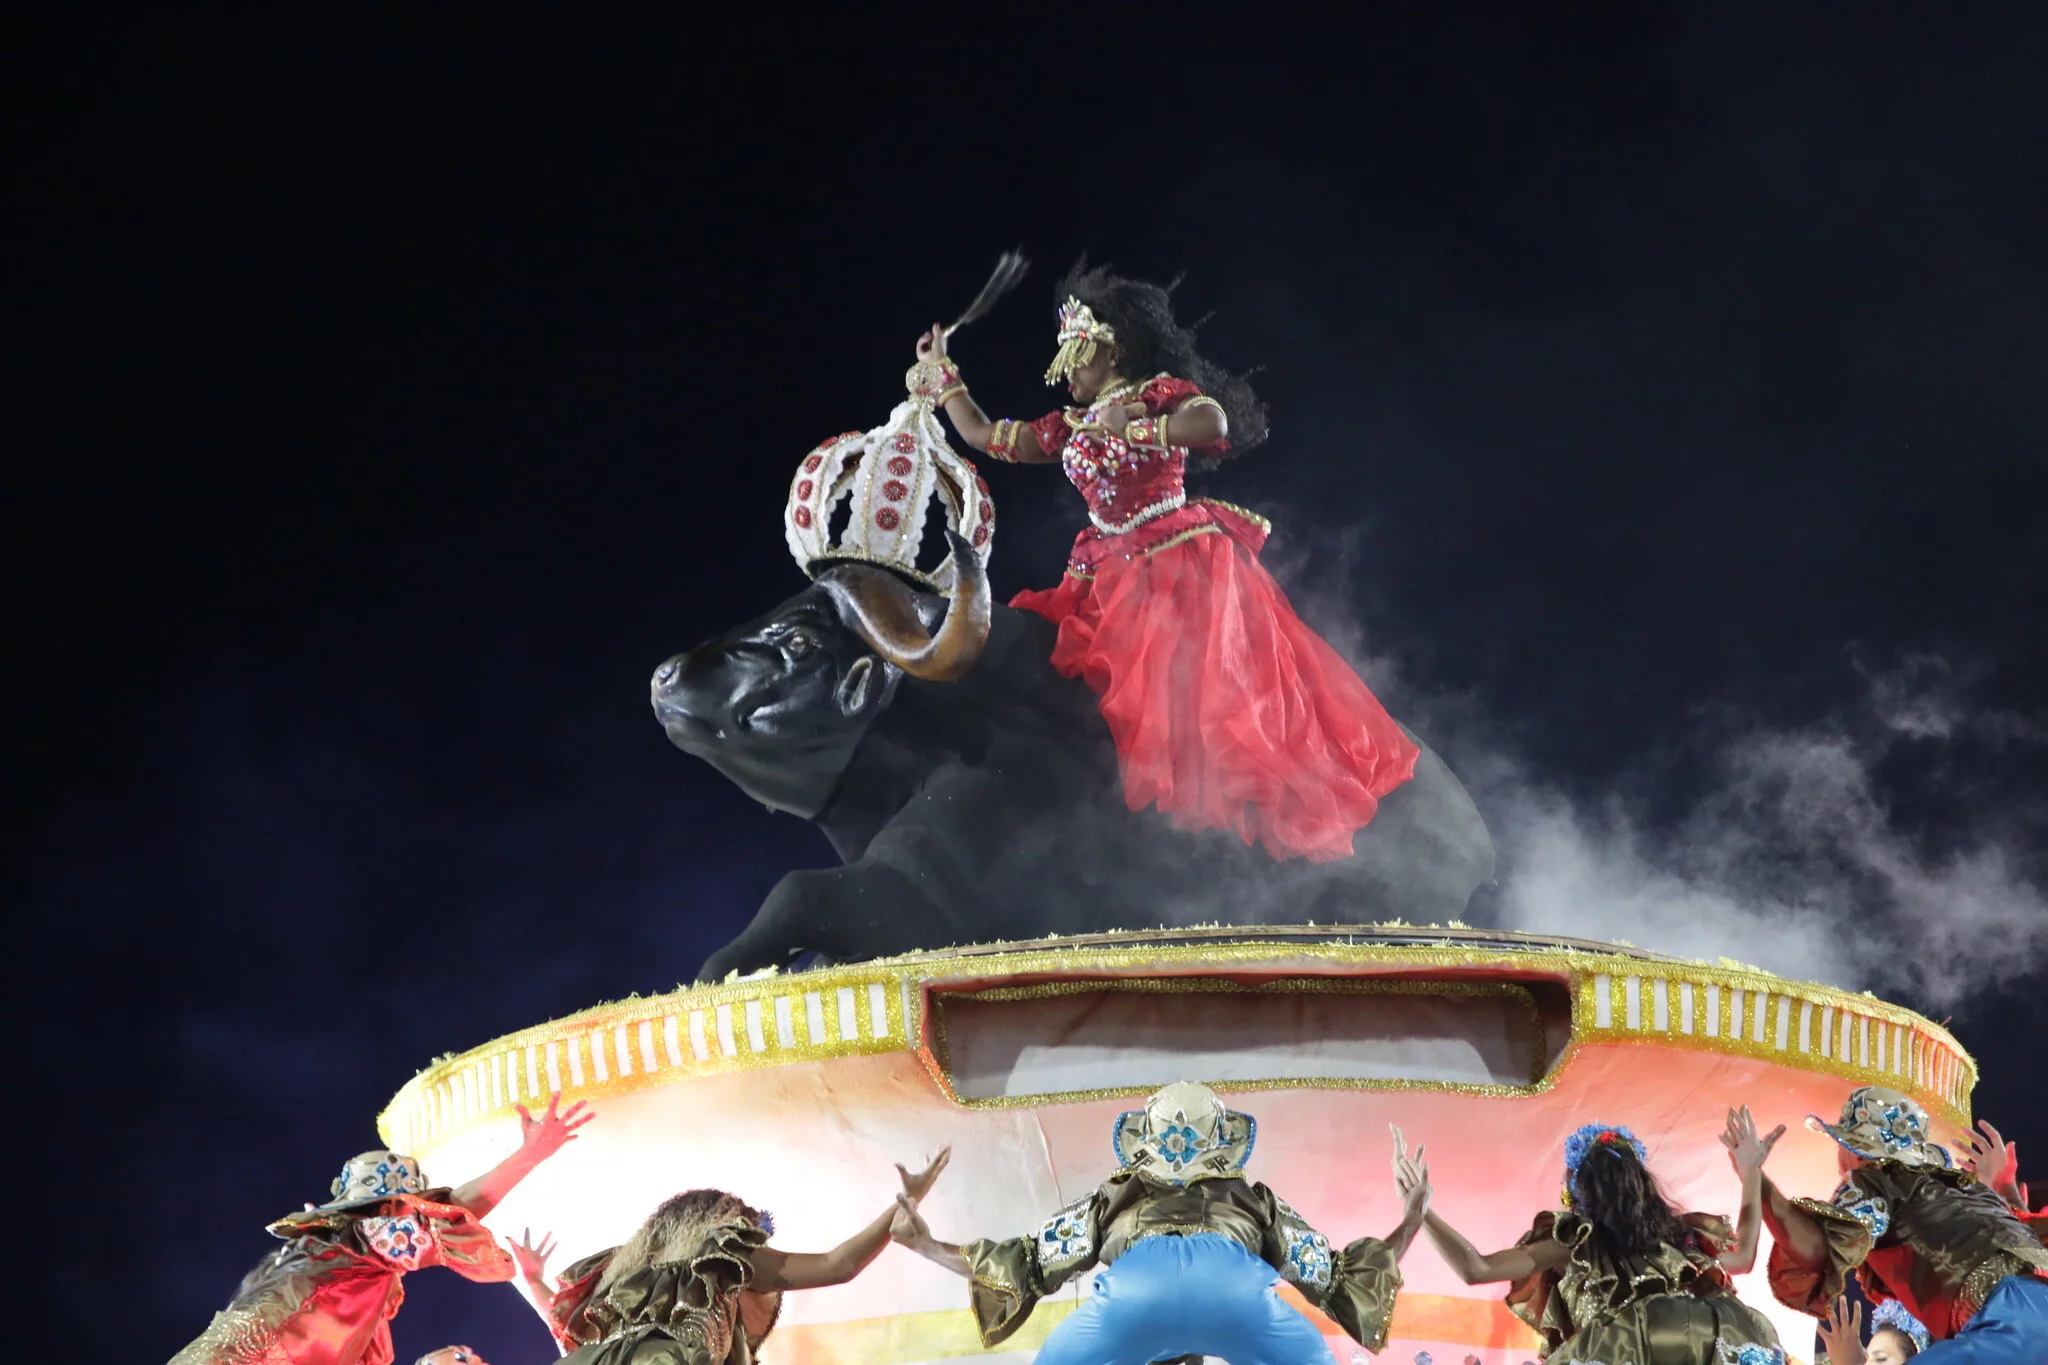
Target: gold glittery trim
[
  {"x": 1246, "y": 513},
  {"x": 481, "y": 1085},
  {"x": 938, "y": 1060}
]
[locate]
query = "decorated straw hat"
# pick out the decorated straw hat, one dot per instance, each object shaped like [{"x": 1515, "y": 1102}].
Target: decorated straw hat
[
  {"x": 374, "y": 1176},
  {"x": 1184, "y": 1134},
  {"x": 1883, "y": 1125}
]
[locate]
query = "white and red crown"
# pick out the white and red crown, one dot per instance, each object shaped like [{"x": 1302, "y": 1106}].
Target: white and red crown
[{"x": 888, "y": 477}]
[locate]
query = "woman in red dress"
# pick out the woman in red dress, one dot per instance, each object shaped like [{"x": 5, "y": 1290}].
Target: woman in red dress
[{"x": 1226, "y": 710}]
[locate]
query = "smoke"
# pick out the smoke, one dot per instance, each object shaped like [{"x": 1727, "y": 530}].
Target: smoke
[{"x": 1883, "y": 845}]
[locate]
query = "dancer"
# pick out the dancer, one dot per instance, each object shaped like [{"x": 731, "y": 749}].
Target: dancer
[
  {"x": 1226, "y": 710},
  {"x": 327, "y": 1295},
  {"x": 1916, "y": 1229},
  {"x": 1621, "y": 1275},
  {"x": 698, "y": 1284},
  {"x": 1191, "y": 1252}
]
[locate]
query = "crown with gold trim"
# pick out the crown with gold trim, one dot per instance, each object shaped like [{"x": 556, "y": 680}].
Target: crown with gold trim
[
  {"x": 1080, "y": 331},
  {"x": 887, "y": 478}
]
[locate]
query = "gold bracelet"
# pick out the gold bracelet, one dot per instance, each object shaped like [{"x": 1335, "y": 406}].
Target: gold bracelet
[
  {"x": 1002, "y": 440},
  {"x": 954, "y": 390},
  {"x": 1165, "y": 442}
]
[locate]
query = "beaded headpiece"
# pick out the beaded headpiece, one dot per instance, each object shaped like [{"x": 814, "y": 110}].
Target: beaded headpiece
[
  {"x": 1080, "y": 330},
  {"x": 1891, "y": 1313},
  {"x": 888, "y": 478},
  {"x": 1585, "y": 1141}
]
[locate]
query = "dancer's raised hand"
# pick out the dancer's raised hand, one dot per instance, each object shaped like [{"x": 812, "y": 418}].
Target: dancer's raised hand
[
  {"x": 542, "y": 1137},
  {"x": 532, "y": 1259},
  {"x": 1841, "y": 1333},
  {"x": 916, "y": 1187},
  {"x": 1746, "y": 1150},
  {"x": 932, "y": 345},
  {"x": 1411, "y": 1177}
]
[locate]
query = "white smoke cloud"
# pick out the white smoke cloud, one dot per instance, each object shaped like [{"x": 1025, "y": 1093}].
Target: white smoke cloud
[{"x": 1792, "y": 856}]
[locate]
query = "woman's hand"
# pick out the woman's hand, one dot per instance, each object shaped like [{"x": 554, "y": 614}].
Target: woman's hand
[
  {"x": 932, "y": 345},
  {"x": 540, "y": 1138},
  {"x": 1746, "y": 1150},
  {"x": 1841, "y": 1333},
  {"x": 908, "y": 1226},
  {"x": 532, "y": 1260},
  {"x": 1992, "y": 1159},
  {"x": 1411, "y": 1180},
  {"x": 1117, "y": 416},
  {"x": 916, "y": 1187}
]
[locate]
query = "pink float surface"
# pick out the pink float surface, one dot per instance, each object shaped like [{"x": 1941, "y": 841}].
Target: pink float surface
[{"x": 801, "y": 1093}]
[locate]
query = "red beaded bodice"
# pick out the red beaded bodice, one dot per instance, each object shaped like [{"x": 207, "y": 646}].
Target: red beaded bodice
[{"x": 1125, "y": 485}]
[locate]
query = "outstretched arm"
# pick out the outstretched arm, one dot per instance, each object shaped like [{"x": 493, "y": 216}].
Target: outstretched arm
[
  {"x": 909, "y": 1229},
  {"x": 975, "y": 426},
  {"x": 540, "y": 1138},
  {"x": 775, "y": 1270},
  {"x": 1514, "y": 1263},
  {"x": 532, "y": 1261},
  {"x": 1748, "y": 1152},
  {"x": 1996, "y": 1162}
]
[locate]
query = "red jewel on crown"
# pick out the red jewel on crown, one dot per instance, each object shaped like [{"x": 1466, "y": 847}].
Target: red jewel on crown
[
  {"x": 899, "y": 465},
  {"x": 803, "y": 489},
  {"x": 802, "y": 517},
  {"x": 811, "y": 465},
  {"x": 887, "y": 519},
  {"x": 895, "y": 490},
  {"x": 905, "y": 442}
]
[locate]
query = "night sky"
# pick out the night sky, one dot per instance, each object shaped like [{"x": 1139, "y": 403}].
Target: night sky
[{"x": 389, "y": 400}]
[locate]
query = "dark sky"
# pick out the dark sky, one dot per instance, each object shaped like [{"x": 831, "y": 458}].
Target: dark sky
[{"x": 390, "y": 399}]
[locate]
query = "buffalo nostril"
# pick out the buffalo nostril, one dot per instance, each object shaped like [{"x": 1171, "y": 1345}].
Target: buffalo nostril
[{"x": 666, "y": 674}]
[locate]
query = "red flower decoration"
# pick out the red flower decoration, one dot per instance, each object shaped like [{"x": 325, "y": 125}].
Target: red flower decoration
[
  {"x": 811, "y": 465},
  {"x": 981, "y": 483},
  {"x": 988, "y": 511},
  {"x": 899, "y": 464},
  {"x": 803, "y": 489},
  {"x": 981, "y": 535},
  {"x": 887, "y": 519},
  {"x": 894, "y": 491},
  {"x": 802, "y": 517},
  {"x": 905, "y": 442}
]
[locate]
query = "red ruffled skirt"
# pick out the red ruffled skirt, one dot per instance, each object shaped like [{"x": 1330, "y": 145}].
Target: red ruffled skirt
[{"x": 1227, "y": 711}]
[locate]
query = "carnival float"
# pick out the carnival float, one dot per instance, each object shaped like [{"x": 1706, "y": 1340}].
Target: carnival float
[
  {"x": 1055, "y": 901},
  {"x": 1016, "y": 949}
]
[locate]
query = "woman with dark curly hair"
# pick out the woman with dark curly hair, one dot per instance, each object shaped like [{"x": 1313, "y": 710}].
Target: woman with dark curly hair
[
  {"x": 1621, "y": 1275},
  {"x": 1226, "y": 710}
]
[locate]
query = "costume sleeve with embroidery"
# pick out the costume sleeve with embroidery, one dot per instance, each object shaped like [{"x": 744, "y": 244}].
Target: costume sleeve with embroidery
[
  {"x": 1851, "y": 1222},
  {"x": 1355, "y": 1287},
  {"x": 428, "y": 1233},
  {"x": 1010, "y": 1277},
  {"x": 1052, "y": 432}
]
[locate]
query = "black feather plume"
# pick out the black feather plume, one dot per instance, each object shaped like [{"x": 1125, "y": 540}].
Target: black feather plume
[{"x": 1009, "y": 273}]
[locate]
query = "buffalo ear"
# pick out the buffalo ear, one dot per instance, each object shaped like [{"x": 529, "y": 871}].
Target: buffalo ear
[{"x": 860, "y": 689}]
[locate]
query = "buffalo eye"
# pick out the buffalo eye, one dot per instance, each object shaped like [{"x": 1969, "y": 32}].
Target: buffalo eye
[{"x": 799, "y": 643}]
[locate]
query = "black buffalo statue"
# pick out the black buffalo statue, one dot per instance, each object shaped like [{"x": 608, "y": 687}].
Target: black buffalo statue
[{"x": 973, "y": 795}]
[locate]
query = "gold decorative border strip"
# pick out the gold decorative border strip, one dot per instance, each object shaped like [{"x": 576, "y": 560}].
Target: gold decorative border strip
[
  {"x": 938, "y": 1061},
  {"x": 878, "y": 1007}
]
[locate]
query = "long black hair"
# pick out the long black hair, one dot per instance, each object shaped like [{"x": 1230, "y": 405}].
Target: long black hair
[
  {"x": 1615, "y": 1192},
  {"x": 1149, "y": 342}
]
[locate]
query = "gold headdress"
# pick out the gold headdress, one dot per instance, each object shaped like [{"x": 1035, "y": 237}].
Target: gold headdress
[{"x": 1080, "y": 330}]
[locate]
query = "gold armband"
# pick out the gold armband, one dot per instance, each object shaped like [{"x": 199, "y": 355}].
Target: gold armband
[{"x": 1002, "y": 440}]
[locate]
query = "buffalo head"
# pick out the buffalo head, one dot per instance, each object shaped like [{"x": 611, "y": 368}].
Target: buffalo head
[{"x": 779, "y": 704}]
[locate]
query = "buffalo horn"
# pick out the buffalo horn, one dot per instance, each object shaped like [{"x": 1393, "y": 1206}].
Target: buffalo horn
[{"x": 884, "y": 613}]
